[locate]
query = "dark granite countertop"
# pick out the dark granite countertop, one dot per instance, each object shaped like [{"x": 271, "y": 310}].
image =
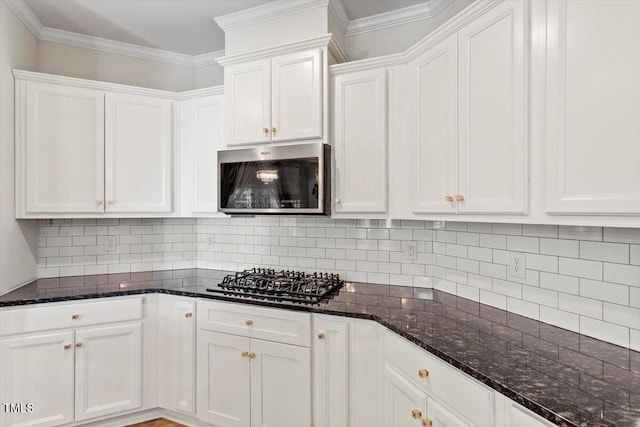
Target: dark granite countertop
[{"x": 567, "y": 378}]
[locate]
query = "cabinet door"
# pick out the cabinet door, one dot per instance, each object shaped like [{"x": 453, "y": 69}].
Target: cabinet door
[
  {"x": 108, "y": 370},
  {"x": 296, "y": 96},
  {"x": 492, "y": 111},
  {"x": 440, "y": 417},
  {"x": 138, "y": 154},
  {"x": 404, "y": 404},
  {"x": 593, "y": 105},
  {"x": 37, "y": 370},
  {"x": 248, "y": 100},
  {"x": 223, "y": 379},
  {"x": 518, "y": 415},
  {"x": 360, "y": 142},
  {"x": 200, "y": 140},
  {"x": 280, "y": 385},
  {"x": 183, "y": 355},
  {"x": 60, "y": 148},
  {"x": 330, "y": 372},
  {"x": 433, "y": 83}
]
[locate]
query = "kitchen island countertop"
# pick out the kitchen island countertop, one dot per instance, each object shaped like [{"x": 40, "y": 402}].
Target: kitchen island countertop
[{"x": 567, "y": 378}]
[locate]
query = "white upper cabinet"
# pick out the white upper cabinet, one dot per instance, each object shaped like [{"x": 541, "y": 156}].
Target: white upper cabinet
[
  {"x": 434, "y": 144},
  {"x": 59, "y": 149},
  {"x": 138, "y": 154},
  {"x": 468, "y": 118},
  {"x": 360, "y": 142},
  {"x": 201, "y": 133},
  {"x": 91, "y": 149},
  {"x": 276, "y": 99},
  {"x": 492, "y": 111},
  {"x": 593, "y": 105}
]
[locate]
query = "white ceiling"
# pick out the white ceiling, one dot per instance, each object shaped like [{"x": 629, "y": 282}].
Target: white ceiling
[{"x": 182, "y": 26}]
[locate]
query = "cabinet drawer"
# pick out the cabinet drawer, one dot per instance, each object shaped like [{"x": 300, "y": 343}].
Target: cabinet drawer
[
  {"x": 43, "y": 317},
  {"x": 461, "y": 393},
  {"x": 271, "y": 324}
]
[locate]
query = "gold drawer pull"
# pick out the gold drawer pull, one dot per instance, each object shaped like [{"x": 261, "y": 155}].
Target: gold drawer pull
[
  {"x": 75, "y": 316},
  {"x": 460, "y": 198},
  {"x": 426, "y": 422},
  {"x": 338, "y": 201},
  {"x": 423, "y": 373},
  {"x": 273, "y": 130},
  {"x": 188, "y": 315},
  {"x": 78, "y": 344},
  {"x": 448, "y": 198},
  {"x": 249, "y": 322},
  {"x": 416, "y": 413},
  {"x": 252, "y": 355},
  {"x": 244, "y": 354},
  {"x": 98, "y": 202},
  {"x": 265, "y": 131},
  {"x": 67, "y": 346},
  {"x": 321, "y": 335}
]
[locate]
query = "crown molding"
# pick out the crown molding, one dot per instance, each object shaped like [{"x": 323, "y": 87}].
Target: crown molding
[
  {"x": 22, "y": 11},
  {"x": 336, "y": 9},
  {"x": 368, "y": 64},
  {"x": 321, "y": 41},
  {"x": 266, "y": 12},
  {"x": 337, "y": 51},
  {"x": 425, "y": 10},
  {"x": 198, "y": 93}
]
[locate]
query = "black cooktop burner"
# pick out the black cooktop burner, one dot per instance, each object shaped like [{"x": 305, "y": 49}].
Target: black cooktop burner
[{"x": 280, "y": 285}]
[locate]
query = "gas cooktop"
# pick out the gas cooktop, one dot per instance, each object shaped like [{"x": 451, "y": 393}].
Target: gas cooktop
[{"x": 294, "y": 286}]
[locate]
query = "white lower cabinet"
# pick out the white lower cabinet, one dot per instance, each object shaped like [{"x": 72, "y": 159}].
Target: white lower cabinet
[
  {"x": 246, "y": 380},
  {"x": 518, "y": 415},
  {"x": 177, "y": 353},
  {"x": 58, "y": 377},
  {"x": 404, "y": 404}
]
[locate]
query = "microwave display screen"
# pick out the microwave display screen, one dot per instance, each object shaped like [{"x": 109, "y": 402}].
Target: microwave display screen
[{"x": 270, "y": 184}]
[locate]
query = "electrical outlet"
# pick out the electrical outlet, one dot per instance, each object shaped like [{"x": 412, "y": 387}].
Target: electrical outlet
[
  {"x": 110, "y": 243},
  {"x": 517, "y": 265},
  {"x": 210, "y": 242},
  {"x": 412, "y": 252}
]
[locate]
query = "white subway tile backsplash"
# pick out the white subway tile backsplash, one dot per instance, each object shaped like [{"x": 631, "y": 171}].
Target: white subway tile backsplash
[
  {"x": 598, "y": 267},
  {"x": 581, "y": 268}
]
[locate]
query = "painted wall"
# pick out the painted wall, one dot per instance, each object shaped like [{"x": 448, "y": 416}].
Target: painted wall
[
  {"x": 585, "y": 279},
  {"x": 398, "y": 38},
  {"x": 18, "y": 49},
  {"x": 73, "y": 61}
]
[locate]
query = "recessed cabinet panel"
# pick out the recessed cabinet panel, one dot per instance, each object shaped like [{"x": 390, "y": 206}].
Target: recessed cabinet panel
[
  {"x": 248, "y": 98},
  {"x": 441, "y": 417},
  {"x": 202, "y": 130},
  {"x": 433, "y": 132},
  {"x": 61, "y": 160},
  {"x": 223, "y": 379},
  {"x": 138, "y": 154},
  {"x": 280, "y": 385},
  {"x": 593, "y": 105},
  {"x": 37, "y": 370},
  {"x": 492, "y": 114},
  {"x": 404, "y": 404},
  {"x": 360, "y": 142},
  {"x": 183, "y": 346},
  {"x": 108, "y": 370},
  {"x": 297, "y": 96}
]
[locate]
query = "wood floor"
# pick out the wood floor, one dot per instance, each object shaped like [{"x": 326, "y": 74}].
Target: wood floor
[{"x": 159, "y": 422}]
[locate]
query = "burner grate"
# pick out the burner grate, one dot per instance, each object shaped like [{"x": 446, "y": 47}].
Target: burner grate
[{"x": 280, "y": 285}]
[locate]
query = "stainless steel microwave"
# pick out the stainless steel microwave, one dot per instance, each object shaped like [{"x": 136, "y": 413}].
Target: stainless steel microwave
[{"x": 290, "y": 179}]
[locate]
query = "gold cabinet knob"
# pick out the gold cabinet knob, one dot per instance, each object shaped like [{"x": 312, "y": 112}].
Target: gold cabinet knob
[
  {"x": 426, "y": 422},
  {"x": 459, "y": 197},
  {"x": 75, "y": 316},
  {"x": 448, "y": 198},
  {"x": 78, "y": 344},
  {"x": 244, "y": 354},
  {"x": 338, "y": 201},
  {"x": 188, "y": 315},
  {"x": 321, "y": 335},
  {"x": 249, "y": 322},
  {"x": 423, "y": 373},
  {"x": 98, "y": 202},
  {"x": 273, "y": 130},
  {"x": 67, "y": 346},
  {"x": 416, "y": 413},
  {"x": 252, "y": 355},
  {"x": 265, "y": 131}
]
